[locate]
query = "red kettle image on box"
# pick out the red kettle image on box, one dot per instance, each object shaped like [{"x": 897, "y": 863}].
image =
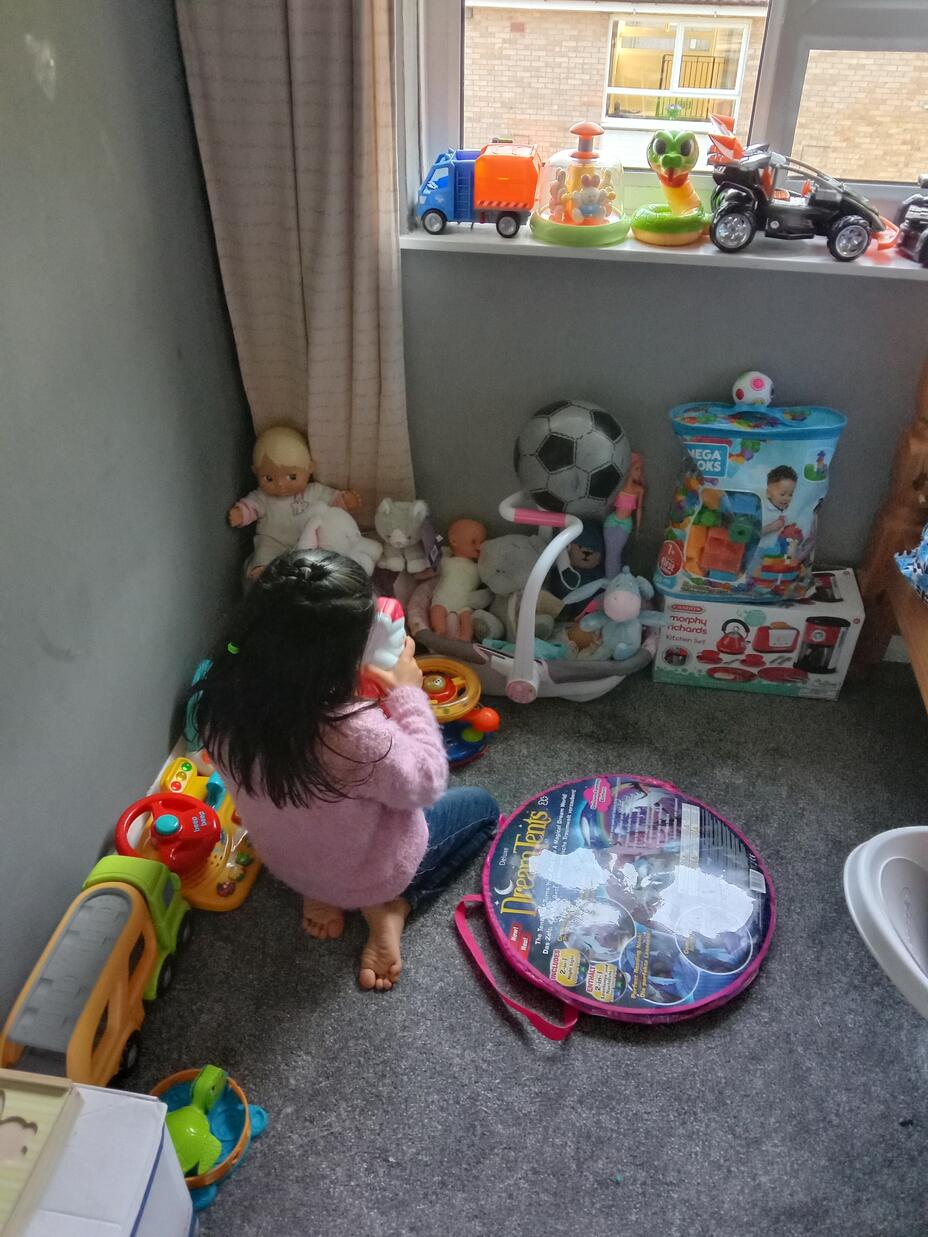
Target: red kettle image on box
[
  {"x": 734, "y": 637},
  {"x": 821, "y": 643},
  {"x": 776, "y": 638}
]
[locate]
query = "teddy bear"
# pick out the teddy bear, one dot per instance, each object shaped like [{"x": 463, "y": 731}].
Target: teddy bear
[
  {"x": 332, "y": 528},
  {"x": 504, "y": 566},
  {"x": 399, "y": 525}
]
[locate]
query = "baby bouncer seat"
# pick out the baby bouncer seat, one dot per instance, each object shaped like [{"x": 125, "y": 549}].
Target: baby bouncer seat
[{"x": 521, "y": 675}]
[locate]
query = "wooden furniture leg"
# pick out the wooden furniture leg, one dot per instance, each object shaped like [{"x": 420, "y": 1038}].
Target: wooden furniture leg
[{"x": 898, "y": 526}]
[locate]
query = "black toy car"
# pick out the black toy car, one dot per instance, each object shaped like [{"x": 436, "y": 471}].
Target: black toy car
[
  {"x": 747, "y": 198},
  {"x": 912, "y": 218}
]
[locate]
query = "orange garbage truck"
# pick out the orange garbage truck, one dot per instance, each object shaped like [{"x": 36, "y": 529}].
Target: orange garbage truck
[{"x": 493, "y": 185}]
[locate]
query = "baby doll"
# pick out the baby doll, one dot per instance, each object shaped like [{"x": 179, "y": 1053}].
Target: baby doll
[
  {"x": 283, "y": 466},
  {"x": 458, "y": 579}
]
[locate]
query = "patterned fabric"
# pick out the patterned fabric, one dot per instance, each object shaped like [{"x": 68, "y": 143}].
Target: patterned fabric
[
  {"x": 293, "y": 106},
  {"x": 914, "y": 565}
]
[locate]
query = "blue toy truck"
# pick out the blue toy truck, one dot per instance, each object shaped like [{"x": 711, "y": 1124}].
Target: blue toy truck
[{"x": 493, "y": 185}]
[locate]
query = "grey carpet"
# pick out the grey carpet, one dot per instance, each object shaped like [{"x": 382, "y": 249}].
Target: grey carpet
[{"x": 800, "y": 1108}]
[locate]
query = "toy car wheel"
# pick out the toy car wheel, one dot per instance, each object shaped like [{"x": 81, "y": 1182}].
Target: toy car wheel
[
  {"x": 921, "y": 250},
  {"x": 165, "y": 977},
  {"x": 184, "y": 932},
  {"x": 733, "y": 229},
  {"x": 434, "y": 222},
  {"x": 848, "y": 238},
  {"x": 130, "y": 1053},
  {"x": 508, "y": 225}
]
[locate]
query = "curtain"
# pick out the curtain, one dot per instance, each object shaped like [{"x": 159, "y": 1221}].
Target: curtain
[{"x": 294, "y": 113}]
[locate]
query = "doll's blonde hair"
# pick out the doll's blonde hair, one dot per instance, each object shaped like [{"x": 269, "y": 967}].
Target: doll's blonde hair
[{"x": 282, "y": 446}]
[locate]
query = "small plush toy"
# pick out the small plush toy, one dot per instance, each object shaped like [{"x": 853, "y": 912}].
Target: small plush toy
[
  {"x": 282, "y": 463},
  {"x": 331, "y": 528},
  {"x": 579, "y": 564},
  {"x": 621, "y": 621},
  {"x": 400, "y": 526},
  {"x": 505, "y": 564},
  {"x": 458, "y": 589}
]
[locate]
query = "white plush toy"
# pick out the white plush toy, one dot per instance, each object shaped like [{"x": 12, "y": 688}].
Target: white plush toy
[
  {"x": 331, "y": 528},
  {"x": 399, "y": 524}
]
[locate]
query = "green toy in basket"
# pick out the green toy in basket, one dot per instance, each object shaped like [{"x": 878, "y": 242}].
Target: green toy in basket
[
  {"x": 197, "y": 1147},
  {"x": 211, "y": 1125},
  {"x": 625, "y": 898}
]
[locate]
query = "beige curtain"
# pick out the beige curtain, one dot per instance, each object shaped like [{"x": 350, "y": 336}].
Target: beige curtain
[{"x": 293, "y": 106}]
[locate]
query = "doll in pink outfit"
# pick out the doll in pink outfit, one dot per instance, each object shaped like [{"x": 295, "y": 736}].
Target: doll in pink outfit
[
  {"x": 283, "y": 466},
  {"x": 345, "y": 799}
]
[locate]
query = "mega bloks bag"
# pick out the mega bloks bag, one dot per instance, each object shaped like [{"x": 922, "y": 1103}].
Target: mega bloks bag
[{"x": 744, "y": 516}]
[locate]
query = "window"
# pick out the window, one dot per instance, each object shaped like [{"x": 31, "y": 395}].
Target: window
[
  {"x": 840, "y": 84},
  {"x": 863, "y": 114},
  {"x": 529, "y": 73},
  {"x": 694, "y": 67}
]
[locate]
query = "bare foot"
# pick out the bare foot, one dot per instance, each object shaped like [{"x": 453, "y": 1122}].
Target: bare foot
[
  {"x": 380, "y": 958},
  {"x": 322, "y": 921}
]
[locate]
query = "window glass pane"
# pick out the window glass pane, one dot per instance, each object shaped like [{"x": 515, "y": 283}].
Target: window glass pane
[
  {"x": 864, "y": 114},
  {"x": 655, "y": 107},
  {"x": 530, "y": 73},
  {"x": 642, "y": 55},
  {"x": 710, "y": 57}
]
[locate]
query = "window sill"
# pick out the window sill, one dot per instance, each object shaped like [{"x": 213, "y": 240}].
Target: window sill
[{"x": 764, "y": 254}]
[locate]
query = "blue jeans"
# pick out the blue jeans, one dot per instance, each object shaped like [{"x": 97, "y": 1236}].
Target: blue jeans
[{"x": 460, "y": 825}]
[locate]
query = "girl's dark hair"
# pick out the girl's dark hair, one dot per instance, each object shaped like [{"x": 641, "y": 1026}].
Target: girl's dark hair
[
  {"x": 284, "y": 673},
  {"x": 782, "y": 472}
]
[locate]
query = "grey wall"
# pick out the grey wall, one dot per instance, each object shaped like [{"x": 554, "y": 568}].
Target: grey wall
[
  {"x": 123, "y": 435},
  {"x": 490, "y": 339}
]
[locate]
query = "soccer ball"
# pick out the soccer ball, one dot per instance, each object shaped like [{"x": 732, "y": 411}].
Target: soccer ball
[
  {"x": 573, "y": 457},
  {"x": 753, "y": 389}
]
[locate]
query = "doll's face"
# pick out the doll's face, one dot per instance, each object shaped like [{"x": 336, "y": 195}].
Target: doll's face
[
  {"x": 466, "y": 537},
  {"x": 781, "y": 493},
  {"x": 282, "y": 480}
]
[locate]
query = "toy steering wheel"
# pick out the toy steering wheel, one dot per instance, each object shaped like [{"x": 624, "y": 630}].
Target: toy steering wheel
[
  {"x": 453, "y": 689},
  {"x": 183, "y": 830}
]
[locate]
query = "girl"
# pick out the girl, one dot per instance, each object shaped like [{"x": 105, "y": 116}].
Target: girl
[{"x": 345, "y": 804}]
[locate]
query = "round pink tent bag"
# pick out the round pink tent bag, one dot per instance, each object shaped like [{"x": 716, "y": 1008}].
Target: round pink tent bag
[{"x": 626, "y": 898}]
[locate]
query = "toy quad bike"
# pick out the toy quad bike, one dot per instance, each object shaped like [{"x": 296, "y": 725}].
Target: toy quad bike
[{"x": 747, "y": 198}]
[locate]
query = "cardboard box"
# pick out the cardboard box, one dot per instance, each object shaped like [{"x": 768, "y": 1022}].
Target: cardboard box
[
  {"x": 797, "y": 648},
  {"x": 116, "y": 1175}
]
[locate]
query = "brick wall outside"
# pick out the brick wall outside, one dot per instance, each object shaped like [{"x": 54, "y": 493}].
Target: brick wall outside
[
  {"x": 864, "y": 115},
  {"x": 530, "y": 74}
]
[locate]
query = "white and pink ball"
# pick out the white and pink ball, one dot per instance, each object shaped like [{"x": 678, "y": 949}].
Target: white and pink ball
[{"x": 752, "y": 389}]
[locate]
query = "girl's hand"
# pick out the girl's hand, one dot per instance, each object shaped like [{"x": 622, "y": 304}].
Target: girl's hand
[{"x": 405, "y": 673}]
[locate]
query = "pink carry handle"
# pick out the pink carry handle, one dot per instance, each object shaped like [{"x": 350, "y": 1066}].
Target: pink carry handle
[
  {"x": 547, "y": 519},
  {"x": 551, "y": 1030}
]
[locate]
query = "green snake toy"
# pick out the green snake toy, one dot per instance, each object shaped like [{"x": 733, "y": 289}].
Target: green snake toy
[{"x": 681, "y": 219}]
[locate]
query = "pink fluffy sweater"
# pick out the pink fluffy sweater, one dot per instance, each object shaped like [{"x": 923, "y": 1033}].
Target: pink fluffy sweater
[{"x": 363, "y": 849}]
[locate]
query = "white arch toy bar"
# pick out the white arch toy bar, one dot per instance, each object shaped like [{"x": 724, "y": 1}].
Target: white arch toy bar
[{"x": 524, "y": 676}]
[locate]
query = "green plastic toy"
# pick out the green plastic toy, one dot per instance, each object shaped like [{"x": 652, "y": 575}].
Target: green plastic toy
[{"x": 197, "y": 1147}]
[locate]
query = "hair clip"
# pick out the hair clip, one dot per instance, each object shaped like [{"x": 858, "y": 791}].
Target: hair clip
[{"x": 233, "y": 648}]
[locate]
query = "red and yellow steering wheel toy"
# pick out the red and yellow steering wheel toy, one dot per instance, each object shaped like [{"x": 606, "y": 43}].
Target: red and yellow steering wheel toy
[{"x": 453, "y": 690}]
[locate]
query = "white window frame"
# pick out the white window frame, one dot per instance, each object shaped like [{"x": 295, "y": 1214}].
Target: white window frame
[
  {"x": 433, "y": 102},
  {"x": 682, "y": 23}
]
